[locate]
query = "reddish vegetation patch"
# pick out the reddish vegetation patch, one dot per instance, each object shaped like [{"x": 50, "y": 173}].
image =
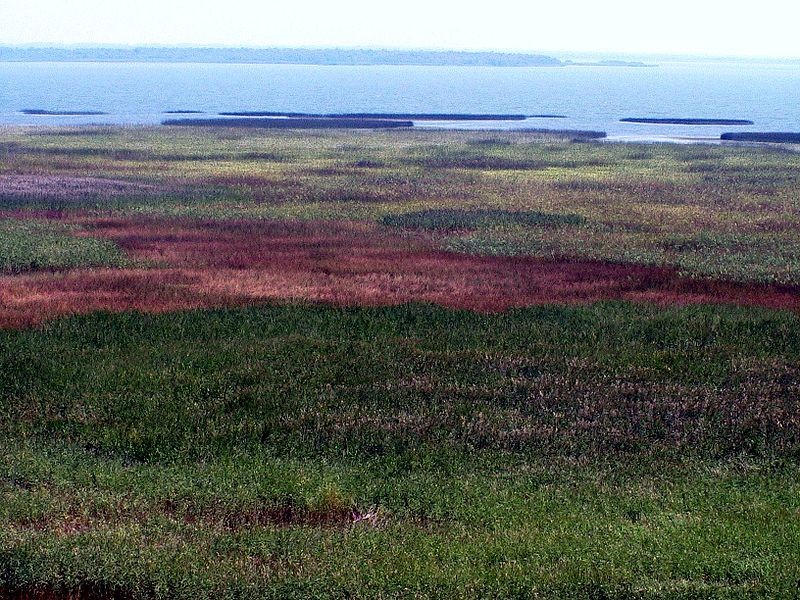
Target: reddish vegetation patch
[
  {"x": 198, "y": 264},
  {"x": 34, "y": 298}
]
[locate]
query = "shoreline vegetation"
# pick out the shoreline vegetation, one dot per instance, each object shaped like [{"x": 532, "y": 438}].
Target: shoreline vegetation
[
  {"x": 776, "y": 137},
  {"x": 683, "y": 121},
  {"x": 574, "y": 135},
  {"x": 290, "y": 123},
  {"x": 390, "y": 116},
  {"x": 266, "y": 120},
  {"x": 377, "y": 120},
  {"x": 61, "y": 113}
]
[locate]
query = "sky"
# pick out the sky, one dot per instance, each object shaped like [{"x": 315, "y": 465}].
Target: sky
[{"x": 767, "y": 28}]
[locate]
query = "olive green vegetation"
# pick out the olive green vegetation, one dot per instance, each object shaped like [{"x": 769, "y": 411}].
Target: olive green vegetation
[
  {"x": 728, "y": 212},
  {"x": 608, "y": 451},
  {"x": 27, "y": 245}
]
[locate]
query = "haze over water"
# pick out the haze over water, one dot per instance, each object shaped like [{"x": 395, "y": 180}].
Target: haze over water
[{"x": 592, "y": 97}]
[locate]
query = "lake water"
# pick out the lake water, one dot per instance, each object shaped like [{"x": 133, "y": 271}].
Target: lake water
[{"x": 593, "y": 97}]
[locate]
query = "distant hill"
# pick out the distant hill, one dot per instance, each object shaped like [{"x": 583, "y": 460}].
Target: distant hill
[{"x": 277, "y": 56}]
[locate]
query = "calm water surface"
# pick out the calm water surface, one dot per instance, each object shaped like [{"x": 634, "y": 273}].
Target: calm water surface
[{"x": 592, "y": 97}]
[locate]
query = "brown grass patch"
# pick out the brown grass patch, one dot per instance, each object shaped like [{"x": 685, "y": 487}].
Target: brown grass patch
[{"x": 204, "y": 264}]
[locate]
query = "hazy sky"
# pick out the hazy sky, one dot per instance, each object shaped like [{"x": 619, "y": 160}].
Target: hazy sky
[{"x": 714, "y": 27}]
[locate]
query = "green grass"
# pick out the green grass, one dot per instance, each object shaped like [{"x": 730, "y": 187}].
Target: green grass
[
  {"x": 30, "y": 245},
  {"x": 604, "y": 451}
]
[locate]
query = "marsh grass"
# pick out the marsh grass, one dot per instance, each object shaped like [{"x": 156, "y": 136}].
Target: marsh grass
[
  {"x": 607, "y": 450},
  {"x": 289, "y": 451}
]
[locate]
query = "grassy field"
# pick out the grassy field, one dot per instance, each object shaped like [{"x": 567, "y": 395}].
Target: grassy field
[{"x": 268, "y": 364}]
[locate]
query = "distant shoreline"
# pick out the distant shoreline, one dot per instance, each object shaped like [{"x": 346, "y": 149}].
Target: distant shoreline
[
  {"x": 294, "y": 56},
  {"x": 297, "y": 56}
]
